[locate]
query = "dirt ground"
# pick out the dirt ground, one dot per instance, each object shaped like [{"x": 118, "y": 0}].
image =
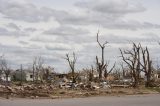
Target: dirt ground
[{"x": 49, "y": 91}]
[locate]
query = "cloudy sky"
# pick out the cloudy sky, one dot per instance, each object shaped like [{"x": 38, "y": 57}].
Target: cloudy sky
[{"x": 52, "y": 28}]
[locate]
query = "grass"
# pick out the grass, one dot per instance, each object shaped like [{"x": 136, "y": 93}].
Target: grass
[{"x": 155, "y": 89}]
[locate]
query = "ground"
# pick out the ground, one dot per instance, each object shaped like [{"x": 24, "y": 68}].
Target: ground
[{"x": 51, "y": 92}]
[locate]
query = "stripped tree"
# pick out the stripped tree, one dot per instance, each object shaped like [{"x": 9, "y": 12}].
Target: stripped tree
[
  {"x": 102, "y": 67},
  {"x": 132, "y": 59},
  {"x": 106, "y": 71},
  {"x": 89, "y": 72},
  {"x": 5, "y": 68},
  {"x": 147, "y": 66},
  {"x": 72, "y": 63},
  {"x": 38, "y": 63},
  {"x": 100, "y": 64}
]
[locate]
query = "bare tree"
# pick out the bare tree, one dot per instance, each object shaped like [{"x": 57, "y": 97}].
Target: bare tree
[
  {"x": 100, "y": 64},
  {"x": 33, "y": 69},
  {"x": 102, "y": 67},
  {"x": 106, "y": 71},
  {"x": 38, "y": 63},
  {"x": 132, "y": 59},
  {"x": 21, "y": 68},
  {"x": 89, "y": 72},
  {"x": 123, "y": 69},
  {"x": 4, "y": 67},
  {"x": 1, "y": 72},
  {"x": 117, "y": 73},
  {"x": 147, "y": 65},
  {"x": 46, "y": 73},
  {"x": 72, "y": 61}
]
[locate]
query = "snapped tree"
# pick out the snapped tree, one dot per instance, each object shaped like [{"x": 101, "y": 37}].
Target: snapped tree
[
  {"x": 38, "y": 63},
  {"x": 138, "y": 60},
  {"x": 102, "y": 67},
  {"x": 132, "y": 59},
  {"x": 147, "y": 66},
  {"x": 72, "y": 61},
  {"x": 4, "y": 67}
]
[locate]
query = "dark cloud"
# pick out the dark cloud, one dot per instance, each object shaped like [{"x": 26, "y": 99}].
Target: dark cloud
[
  {"x": 23, "y": 42},
  {"x": 86, "y": 39},
  {"x": 78, "y": 39},
  {"x": 66, "y": 30},
  {"x": 16, "y": 33},
  {"x": 17, "y": 55},
  {"x": 130, "y": 25},
  {"x": 3, "y": 31},
  {"x": 73, "y": 31},
  {"x": 123, "y": 39},
  {"x": 30, "y": 29},
  {"x": 107, "y": 22},
  {"x": 58, "y": 47},
  {"x": 11, "y": 29},
  {"x": 114, "y": 7},
  {"x": 13, "y": 26},
  {"x": 64, "y": 34},
  {"x": 24, "y": 12},
  {"x": 109, "y": 14},
  {"x": 43, "y": 39}
]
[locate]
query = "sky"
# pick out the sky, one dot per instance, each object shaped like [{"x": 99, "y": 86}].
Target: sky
[{"x": 52, "y": 28}]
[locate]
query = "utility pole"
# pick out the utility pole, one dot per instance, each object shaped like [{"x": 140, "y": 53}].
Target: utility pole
[{"x": 21, "y": 73}]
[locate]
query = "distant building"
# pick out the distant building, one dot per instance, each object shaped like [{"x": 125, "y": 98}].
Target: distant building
[
  {"x": 3, "y": 77},
  {"x": 18, "y": 75},
  {"x": 25, "y": 75},
  {"x": 31, "y": 77},
  {"x": 157, "y": 74}
]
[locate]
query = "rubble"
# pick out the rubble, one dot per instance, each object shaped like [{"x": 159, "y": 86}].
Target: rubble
[{"x": 66, "y": 90}]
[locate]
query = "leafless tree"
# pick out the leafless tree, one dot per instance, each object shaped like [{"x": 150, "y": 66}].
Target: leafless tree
[
  {"x": 147, "y": 65},
  {"x": 102, "y": 67},
  {"x": 72, "y": 61},
  {"x": 38, "y": 63},
  {"x": 21, "y": 68},
  {"x": 106, "y": 71},
  {"x": 126, "y": 72},
  {"x": 89, "y": 72},
  {"x": 123, "y": 69},
  {"x": 5, "y": 67},
  {"x": 1, "y": 73},
  {"x": 100, "y": 64},
  {"x": 46, "y": 73},
  {"x": 132, "y": 59},
  {"x": 33, "y": 69},
  {"x": 117, "y": 73}
]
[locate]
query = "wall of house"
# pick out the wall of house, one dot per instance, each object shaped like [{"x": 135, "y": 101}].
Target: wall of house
[
  {"x": 28, "y": 77},
  {"x": 18, "y": 76},
  {"x": 3, "y": 77}
]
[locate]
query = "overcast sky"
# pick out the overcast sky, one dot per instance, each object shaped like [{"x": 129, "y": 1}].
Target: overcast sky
[{"x": 52, "y": 28}]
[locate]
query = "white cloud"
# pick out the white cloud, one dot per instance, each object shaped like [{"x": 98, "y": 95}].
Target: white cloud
[
  {"x": 29, "y": 29},
  {"x": 24, "y": 12},
  {"x": 114, "y": 7}
]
